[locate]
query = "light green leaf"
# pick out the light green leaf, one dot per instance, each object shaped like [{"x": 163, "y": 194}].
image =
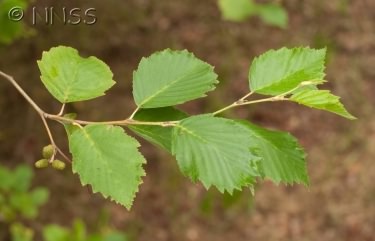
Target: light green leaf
[
  {"x": 69, "y": 77},
  {"x": 161, "y": 136},
  {"x": 78, "y": 231},
  {"x": 216, "y": 151},
  {"x": 237, "y": 10},
  {"x": 55, "y": 233},
  {"x": 322, "y": 100},
  {"x": 114, "y": 236},
  {"x": 23, "y": 202},
  {"x": 39, "y": 196},
  {"x": 108, "y": 159},
  {"x": 282, "y": 158},
  {"x": 278, "y": 71},
  {"x": 171, "y": 77},
  {"x": 273, "y": 14},
  {"x": 6, "y": 179},
  {"x": 21, "y": 178},
  {"x": 70, "y": 128},
  {"x": 21, "y": 233}
]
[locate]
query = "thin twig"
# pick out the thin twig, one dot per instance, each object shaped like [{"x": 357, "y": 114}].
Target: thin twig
[
  {"x": 130, "y": 121},
  {"x": 133, "y": 114},
  {"x": 22, "y": 92},
  {"x": 246, "y": 96},
  {"x": 63, "y": 154},
  {"x": 280, "y": 97},
  {"x": 61, "y": 110},
  {"x": 59, "y": 118},
  {"x": 50, "y": 138},
  {"x": 126, "y": 122}
]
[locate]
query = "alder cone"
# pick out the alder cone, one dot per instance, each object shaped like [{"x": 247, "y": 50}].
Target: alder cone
[
  {"x": 43, "y": 163},
  {"x": 48, "y": 151},
  {"x": 58, "y": 165}
]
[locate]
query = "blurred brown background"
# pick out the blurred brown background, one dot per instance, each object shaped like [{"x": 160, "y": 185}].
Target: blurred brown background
[{"x": 339, "y": 205}]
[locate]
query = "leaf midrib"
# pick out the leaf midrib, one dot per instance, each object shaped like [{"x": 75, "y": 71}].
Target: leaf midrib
[
  {"x": 273, "y": 145},
  {"x": 95, "y": 147},
  {"x": 286, "y": 77},
  {"x": 215, "y": 147},
  {"x": 72, "y": 81},
  {"x": 168, "y": 86}
]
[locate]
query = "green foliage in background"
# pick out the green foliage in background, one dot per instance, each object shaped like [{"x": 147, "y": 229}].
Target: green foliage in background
[
  {"x": 240, "y": 10},
  {"x": 18, "y": 202},
  {"x": 10, "y": 30},
  {"x": 78, "y": 232},
  {"x": 16, "y": 198}
]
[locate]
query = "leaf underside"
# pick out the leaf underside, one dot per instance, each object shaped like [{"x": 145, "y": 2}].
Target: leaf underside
[
  {"x": 108, "y": 159},
  {"x": 282, "y": 158},
  {"x": 216, "y": 151},
  {"x": 169, "y": 78},
  {"x": 278, "y": 71},
  {"x": 322, "y": 100}
]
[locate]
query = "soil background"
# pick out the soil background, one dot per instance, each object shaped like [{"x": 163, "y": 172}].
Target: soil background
[{"x": 339, "y": 204}]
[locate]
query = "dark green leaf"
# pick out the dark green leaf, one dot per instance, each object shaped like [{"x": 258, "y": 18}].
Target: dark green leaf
[
  {"x": 282, "y": 158},
  {"x": 161, "y": 136}
]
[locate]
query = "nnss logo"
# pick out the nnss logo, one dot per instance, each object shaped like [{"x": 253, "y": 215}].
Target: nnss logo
[{"x": 73, "y": 16}]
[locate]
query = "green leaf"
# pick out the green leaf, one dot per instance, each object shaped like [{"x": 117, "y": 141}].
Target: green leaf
[
  {"x": 21, "y": 178},
  {"x": 55, "y": 233},
  {"x": 322, "y": 100},
  {"x": 278, "y": 71},
  {"x": 78, "y": 232},
  {"x": 70, "y": 128},
  {"x": 160, "y": 136},
  {"x": 237, "y": 10},
  {"x": 39, "y": 196},
  {"x": 21, "y": 233},
  {"x": 6, "y": 179},
  {"x": 108, "y": 159},
  {"x": 282, "y": 158},
  {"x": 24, "y": 203},
  {"x": 70, "y": 78},
  {"x": 2, "y": 200},
  {"x": 216, "y": 151},
  {"x": 115, "y": 236},
  {"x": 273, "y": 14},
  {"x": 171, "y": 77}
]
